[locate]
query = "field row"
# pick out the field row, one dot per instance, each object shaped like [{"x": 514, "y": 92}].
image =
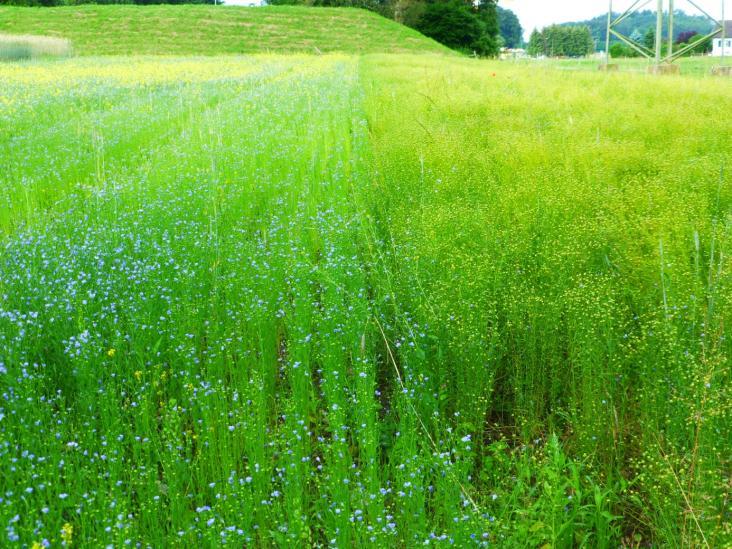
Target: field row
[{"x": 382, "y": 301}]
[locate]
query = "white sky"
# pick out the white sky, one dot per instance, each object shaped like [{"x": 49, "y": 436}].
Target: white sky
[{"x": 540, "y": 13}]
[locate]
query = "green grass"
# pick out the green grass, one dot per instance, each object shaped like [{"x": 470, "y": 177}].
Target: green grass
[
  {"x": 373, "y": 301},
  {"x": 698, "y": 66},
  {"x": 212, "y": 30}
]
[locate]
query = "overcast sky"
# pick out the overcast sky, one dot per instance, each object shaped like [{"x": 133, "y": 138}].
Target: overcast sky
[{"x": 540, "y": 13}]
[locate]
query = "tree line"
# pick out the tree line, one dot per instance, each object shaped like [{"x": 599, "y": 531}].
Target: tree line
[
  {"x": 683, "y": 39},
  {"x": 561, "y": 41},
  {"x": 637, "y": 24}
]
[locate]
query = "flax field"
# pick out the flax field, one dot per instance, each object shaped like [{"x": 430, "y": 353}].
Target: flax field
[{"x": 376, "y": 301}]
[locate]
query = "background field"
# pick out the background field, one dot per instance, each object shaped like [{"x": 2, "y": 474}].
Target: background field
[
  {"x": 212, "y": 30},
  {"x": 698, "y": 66},
  {"x": 363, "y": 300}
]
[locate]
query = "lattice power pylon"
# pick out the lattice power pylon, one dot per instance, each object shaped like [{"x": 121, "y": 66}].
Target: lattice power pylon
[{"x": 657, "y": 54}]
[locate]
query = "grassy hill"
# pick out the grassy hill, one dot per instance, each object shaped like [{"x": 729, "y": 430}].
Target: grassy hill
[{"x": 212, "y": 30}]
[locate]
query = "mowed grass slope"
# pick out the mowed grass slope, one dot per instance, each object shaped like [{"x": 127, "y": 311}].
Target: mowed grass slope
[{"x": 211, "y": 30}]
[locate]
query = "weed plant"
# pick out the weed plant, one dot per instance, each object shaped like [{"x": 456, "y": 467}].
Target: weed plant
[{"x": 20, "y": 47}]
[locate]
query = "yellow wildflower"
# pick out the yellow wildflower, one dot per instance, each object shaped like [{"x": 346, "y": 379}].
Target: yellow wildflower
[
  {"x": 67, "y": 533},
  {"x": 111, "y": 352},
  {"x": 138, "y": 375}
]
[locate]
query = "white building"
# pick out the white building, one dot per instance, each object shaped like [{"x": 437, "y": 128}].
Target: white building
[
  {"x": 723, "y": 46},
  {"x": 512, "y": 53}
]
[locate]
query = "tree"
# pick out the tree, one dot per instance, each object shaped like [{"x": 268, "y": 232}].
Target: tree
[
  {"x": 704, "y": 45},
  {"x": 636, "y": 36},
  {"x": 701, "y": 44},
  {"x": 408, "y": 12},
  {"x": 554, "y": 38},
  {"x": 618, "y": 49},
  {"x": 562, "y": 41},
  {"x": 379, "y": 6},
  {"x": 684, "y": 37},
  {"x": 510, "y": 28},
  {"x": 461, "y": 25},
  {"x": 649, "y": 40},
  {"x": 636, "y": 25},
  {"x": 487, "y": 13},
  {"x": 451, "y": 23},
  {"x": 536, "y": 44}
]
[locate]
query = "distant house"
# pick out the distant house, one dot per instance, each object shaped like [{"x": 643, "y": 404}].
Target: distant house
[
  {"x": 723, "y": 46},
  {"x": 512, "y": 53}
]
